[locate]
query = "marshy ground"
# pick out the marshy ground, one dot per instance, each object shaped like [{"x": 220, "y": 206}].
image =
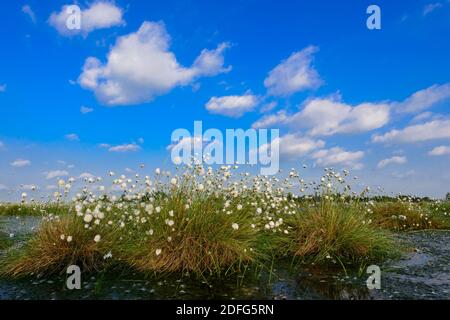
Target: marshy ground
[
  {"x": 202, "y": 235},
  {"x": 422, "y": 273}
]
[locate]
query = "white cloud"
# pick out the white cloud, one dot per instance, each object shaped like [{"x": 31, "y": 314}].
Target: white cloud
[
  {"x": 440, "y": 151},
  {"x": 293, "y": 146},
  {"x": 393, "y": 160},
  {"x": 3, "y": 187},
  {"x": 269, "y": 106},
  {"x": 279, "y": 118},
  {"x": 432, "y": 130},
  {"x": 19, "y": 163},
  {"x": 329, "y": 116},
  {"x": 294, "y": 74},
  {"x": 55, "y": 174},
  {"x": 86, "y": 175},
  {"x": 29, "y": 12},
  {"x": 85, "y": 110},
  {"x": 72, "y": 137},
  {"x": 2, "y": 87},
  {"x": 140, "y": 66},
  {"x": 422, "y": 116},
  {"x": 429, "y": 8},
  {"x": 338, "y": 156},
  {"x": 325, "y": 117},
  {"x": 232, "y": 106},
  {"x": 132, "y": 147},
  {"x": 424, "y": 99},
  {"x": 99, "y": 15}
]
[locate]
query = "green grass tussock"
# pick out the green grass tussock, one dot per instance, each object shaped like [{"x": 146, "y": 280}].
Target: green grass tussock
[
  {"x": 332, "y": 230},
  {"x": 58, "y": 244},
  {"x": 192, "y": 233}
]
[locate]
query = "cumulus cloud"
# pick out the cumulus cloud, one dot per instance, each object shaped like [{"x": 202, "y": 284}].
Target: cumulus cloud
[
  {"x": 440, "y": 151},
  {"x": 338, "y": 156},
  {"x": 424, "y": 99},
  {"x": 29, "y": 12},
  {"x": 72, "y": 137},
  {"x": 293, "y": 146},
  {"x": 140, "y": 66},
  {"x": 55, "y": 174},
  {"x": 279, "y": 118},
  {"x": 325, "y": 117},
  {"x": 432, "y": 130},
  {"x": 294, "y": 74},
  {"x": 19, "y": 163},
  {"x": 329, "y": 116},
  {"x": 99, "y": 15},
  {"x": 232, "y": 106},
  {"x": 131, "y": 147},
  {"x": 85, "y": 110},
  {"x": 393, "y": 160}
]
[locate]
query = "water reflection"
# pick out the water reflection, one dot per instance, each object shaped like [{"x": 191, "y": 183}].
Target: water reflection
[{"x": 299, "y": 285}]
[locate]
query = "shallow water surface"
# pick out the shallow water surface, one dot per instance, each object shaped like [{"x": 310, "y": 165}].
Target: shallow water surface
[{"x": 423, "y": 273}]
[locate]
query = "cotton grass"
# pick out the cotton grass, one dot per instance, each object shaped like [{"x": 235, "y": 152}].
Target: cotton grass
[{"x": 206, "y": 222}]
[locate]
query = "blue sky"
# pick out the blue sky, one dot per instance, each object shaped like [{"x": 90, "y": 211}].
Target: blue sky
[{"x": 108, "y": 96}]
